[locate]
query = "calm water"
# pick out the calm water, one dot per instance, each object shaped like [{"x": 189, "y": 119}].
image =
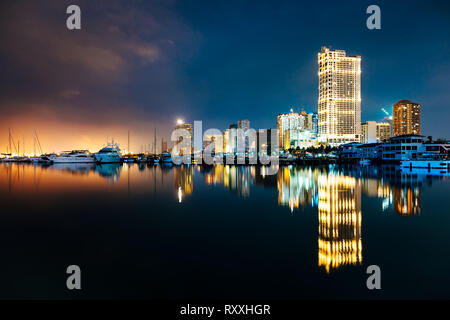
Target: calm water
[{"x": 225, "y": 232}]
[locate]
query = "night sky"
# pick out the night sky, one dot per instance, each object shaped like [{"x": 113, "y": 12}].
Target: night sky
[{"x": 137, "y": 65}]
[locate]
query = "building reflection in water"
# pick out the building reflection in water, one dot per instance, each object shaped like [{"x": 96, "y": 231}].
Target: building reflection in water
[
  {"x": 237, "y": 179},
  {"x": 335, "y": 191},
  {"x": 339, "y": 214},
  {"x": 297, "y": 187},
  {"x": 184, "y": 181}
]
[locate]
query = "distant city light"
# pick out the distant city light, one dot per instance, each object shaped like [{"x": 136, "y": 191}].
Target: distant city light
[{"x": 180, "y": 121}]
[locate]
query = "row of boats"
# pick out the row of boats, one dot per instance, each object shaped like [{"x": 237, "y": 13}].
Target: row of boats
[{"x": 109, "y": 154}]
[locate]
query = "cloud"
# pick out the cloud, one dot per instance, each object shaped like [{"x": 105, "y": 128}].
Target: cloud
[{"x": 87, "y": 75}]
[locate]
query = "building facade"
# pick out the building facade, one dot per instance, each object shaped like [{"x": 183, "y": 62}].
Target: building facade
[
  {"x": 406, "y": 118},
  {"x": 339, "y": 97},
  {"x": 373, "y": 132},
  {"x": 186, "y": 147},
  {"x": 288, "y": 125}
]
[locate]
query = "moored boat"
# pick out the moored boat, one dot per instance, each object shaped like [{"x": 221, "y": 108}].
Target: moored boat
[
  {"x": 109, "y": 154},
  {"x": 166, "y": 158},
  {"x": 75, "y": 156}
]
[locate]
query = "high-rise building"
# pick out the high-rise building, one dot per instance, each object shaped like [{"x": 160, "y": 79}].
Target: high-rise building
[
  {"x": 288, "y": 125},
  {"x": 311, "y": 120},
  {"x": 384, "y": 130},
  {"x": 406, "y": 118},
  {"x": 264, "y": 144},
  {"x": 339, "y": 96},
  {"x": 243, "y": 124},
  {"x": 373, "y": 132},
  {"x": 186, "y": 149},
  {"x": 230, "y": 139}
]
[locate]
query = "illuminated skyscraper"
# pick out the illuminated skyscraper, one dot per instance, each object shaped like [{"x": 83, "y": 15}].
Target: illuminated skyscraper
[
  {"x": 406, "y": 118},
  {"x": 339, "y": 96}
]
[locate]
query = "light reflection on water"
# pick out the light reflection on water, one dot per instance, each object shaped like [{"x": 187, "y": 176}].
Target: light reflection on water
[{"x": 336, "y": 194}]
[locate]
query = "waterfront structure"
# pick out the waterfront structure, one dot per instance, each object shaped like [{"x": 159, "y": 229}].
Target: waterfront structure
[
  {"x": 339, "y": 102},
  {"x": 400, "y": 148},
  {"x": 186, "y": 148},
  {"x": 412, "y": 147},
  {"x": 373, "y": 132},
  {"x": 406, "y": 118}
]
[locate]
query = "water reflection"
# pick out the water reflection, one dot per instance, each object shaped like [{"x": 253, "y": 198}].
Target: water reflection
[
  {"x": 184, "y": 181},
  {"x": 335, "y": 192},
  {"x": 237, "y": 179},
  {"x": 339, "y": 214}
]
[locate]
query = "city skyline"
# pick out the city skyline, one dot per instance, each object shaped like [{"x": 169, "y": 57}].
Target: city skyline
[{"x": 195, "y": 71}]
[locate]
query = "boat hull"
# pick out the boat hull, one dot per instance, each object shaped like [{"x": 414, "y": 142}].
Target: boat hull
[
  {"x": 107, "y": 158},
  {"x": 73, "y": 160}
]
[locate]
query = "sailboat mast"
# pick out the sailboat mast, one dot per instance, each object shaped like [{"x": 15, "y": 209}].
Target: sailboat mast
[
  {"x": 154, "y": 143},
  {"x": 128, "y": 141},
  {"x": 10, "y": 149}
]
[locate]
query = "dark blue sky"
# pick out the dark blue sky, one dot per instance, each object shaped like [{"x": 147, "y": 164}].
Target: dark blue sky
[
  {"x": 256, "y": 61},
  {"x": 142, "y": 64}
]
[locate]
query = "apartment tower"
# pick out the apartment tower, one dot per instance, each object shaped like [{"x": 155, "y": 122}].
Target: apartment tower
[{"x": 339, "y": 96}]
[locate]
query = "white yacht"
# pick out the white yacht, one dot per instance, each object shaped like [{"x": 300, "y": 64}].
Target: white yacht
[
  {"x": 75, "y": 156},
  {"x": 109, "y": 154}
]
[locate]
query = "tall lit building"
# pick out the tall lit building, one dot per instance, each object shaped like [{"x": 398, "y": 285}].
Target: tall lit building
[
  {"x": 288, "y": 125},
  {"x": 230, "y": 139},
  {"x": 373, "y": 132},
  {"x": 339, "y": 96},
  {"x": 406, "y": 118},
  {"x": 188, "y": 127}
]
